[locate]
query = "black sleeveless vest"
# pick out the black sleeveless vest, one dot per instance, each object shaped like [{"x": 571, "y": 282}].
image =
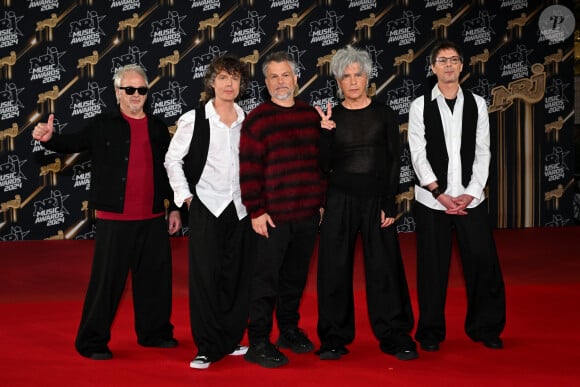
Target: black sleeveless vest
[
  {"x": 436, "y": 149},
  {"x": 196, "y": 158}
]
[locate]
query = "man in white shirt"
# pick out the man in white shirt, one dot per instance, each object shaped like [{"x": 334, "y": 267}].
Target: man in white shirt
[
  {"x": 449, "y": 143},
  {"x": 202, "y": 163}
]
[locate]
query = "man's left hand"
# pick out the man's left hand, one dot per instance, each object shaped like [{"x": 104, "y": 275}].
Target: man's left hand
[
  {"x": 461, "y": 202},
  {"x": 174, "y": 222},
  {"x": 386, "y": 222}
]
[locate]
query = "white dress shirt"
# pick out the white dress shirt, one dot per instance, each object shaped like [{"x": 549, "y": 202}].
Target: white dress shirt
[
  {"x": 219, "y": 183},
  {"x": 452, "y": 126}
]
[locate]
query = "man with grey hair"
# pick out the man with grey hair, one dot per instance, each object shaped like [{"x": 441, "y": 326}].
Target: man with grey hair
[
  {"x": 129, "y": 187},
  {"x": 359, "y": 151},
  {"x": 282, "y": 189}
]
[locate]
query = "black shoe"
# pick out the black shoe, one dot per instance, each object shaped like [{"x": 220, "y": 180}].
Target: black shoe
[
  {"x": 331, "y": 353},
  {"x": 295, "y": 340},
  {"x": 99, "y": 354},
  {"x": 161, "y": 343},
  {"x": 167, "y": 343},
  {"x": 430, "y": 346},
  {"x": 407, "y": 354},
  {"x": 266, "y": 355},
  {"x": 106, "y": 355},
  {"x": 402, "y": 347},
  {"x": 492, "y": 342},
  {"x": 200, "y": 362}
]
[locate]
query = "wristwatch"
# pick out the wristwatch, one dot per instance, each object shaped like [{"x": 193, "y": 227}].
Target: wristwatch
[{"x": 435, "y": 192}]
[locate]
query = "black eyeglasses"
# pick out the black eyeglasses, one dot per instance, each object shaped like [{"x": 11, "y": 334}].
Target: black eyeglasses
[
  {"x": 130, "y": 90},
  {"x": 443, "y": 61}
]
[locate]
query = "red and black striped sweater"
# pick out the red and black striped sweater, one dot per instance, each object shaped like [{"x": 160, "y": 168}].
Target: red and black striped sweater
[{"x": 279, "y": 171}]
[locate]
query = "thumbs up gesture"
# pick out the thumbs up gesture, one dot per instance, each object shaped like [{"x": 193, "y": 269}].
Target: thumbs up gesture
[{"x": 43, "y": 130}]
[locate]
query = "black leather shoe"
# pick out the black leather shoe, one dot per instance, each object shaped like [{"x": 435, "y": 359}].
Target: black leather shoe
[
  {"x": 493, "y": 343},
  {"x": 101, "y": 355},
  {"x": 430, "y": 347},
  {"x": 401, "y": 347},
  {"x": 167, "y": 343},
  {"x": 407, "y": 354},
  {"x": 332, "y": 353},
  {"x": 161, "y": 343}
]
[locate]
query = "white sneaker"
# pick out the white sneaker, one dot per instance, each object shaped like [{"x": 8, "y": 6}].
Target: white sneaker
[
  {"x": 239, "y": 351},
  {"x": 200, "y": 362}
]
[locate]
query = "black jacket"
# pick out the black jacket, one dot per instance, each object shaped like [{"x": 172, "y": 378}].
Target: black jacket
[{"x": 107, "y": 140}]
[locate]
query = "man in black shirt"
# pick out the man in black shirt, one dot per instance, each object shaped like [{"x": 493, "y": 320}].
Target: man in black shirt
[
  {"x": 128, "y": 190},
  {"x": 360, "y": 153}
]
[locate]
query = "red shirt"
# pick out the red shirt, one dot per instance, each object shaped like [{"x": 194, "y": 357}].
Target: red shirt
[{"x": 139, "y": 184}]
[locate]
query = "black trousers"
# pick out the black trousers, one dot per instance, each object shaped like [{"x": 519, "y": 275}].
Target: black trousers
[
  {"x": 388, "y": 301},
  {"x": 219, "y": 271},
  {"x": 486, "y": 305},
  {"x": 141, "y": 247},
  {"x": 280, "y": 271}
]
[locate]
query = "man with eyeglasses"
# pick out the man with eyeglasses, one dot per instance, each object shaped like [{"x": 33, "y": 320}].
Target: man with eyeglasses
[
  {"x": 129, "y": 186},
  {"x": 450, "y": 150}
]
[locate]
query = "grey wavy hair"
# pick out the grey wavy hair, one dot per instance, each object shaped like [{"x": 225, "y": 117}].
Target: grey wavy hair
[
  {"x": 347, "y": 56},
  {"x": 121, "y": 71}
]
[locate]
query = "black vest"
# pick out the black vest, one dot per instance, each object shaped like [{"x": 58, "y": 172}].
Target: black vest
[
  {"x": 436, "y": 149},
  {"x": 196, "y": 158}
]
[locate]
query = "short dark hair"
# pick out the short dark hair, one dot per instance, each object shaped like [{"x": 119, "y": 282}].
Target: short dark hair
[
  {"x": 278, "y": 57},
  {"x": 445, "y": 45},
  {"x": 230, "y": 64}
]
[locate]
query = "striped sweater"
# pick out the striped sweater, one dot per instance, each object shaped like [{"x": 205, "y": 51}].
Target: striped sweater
[{"x": 279, "y": 172}]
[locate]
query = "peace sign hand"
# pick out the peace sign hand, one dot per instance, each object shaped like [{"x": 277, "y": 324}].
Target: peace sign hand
[{"x": 326, "y": 122}]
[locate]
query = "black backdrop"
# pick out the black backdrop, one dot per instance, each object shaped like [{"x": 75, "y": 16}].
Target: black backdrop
[{"x": 59, "y": 56}]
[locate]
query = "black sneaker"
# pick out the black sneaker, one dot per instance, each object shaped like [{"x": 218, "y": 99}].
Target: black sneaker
[
  {"x": 200, "y": 362},
  {"x": 266, "y": 355},
  {"x": 295, "y": 340}
]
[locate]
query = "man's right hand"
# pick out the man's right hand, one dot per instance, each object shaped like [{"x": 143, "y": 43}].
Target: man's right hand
[
  {"x": 453, "y": 208},
  {"x": 260, "y": 224},
  {"x": 325, "y": 121},
  {"x": 43, "y": 131}
]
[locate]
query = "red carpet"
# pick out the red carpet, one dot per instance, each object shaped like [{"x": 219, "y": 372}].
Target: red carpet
[{"x": 42, "y": 285}]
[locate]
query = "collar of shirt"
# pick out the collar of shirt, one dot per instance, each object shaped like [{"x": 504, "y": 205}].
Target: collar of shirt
[
  {"x": 436, "y": 92},
  {"x": 213, "y": 116}
]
